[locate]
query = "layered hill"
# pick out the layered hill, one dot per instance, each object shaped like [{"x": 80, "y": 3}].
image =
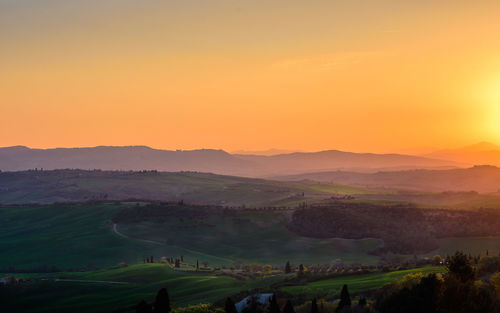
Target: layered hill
[
  {"x": 483, "y": 179},
  {"x": 37, "y": 186},
  {"x": 20, "y": 158}
]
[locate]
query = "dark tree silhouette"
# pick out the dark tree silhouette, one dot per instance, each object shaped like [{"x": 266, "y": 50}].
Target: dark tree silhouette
[
  {"x": 288, "y": 307},
  {"x": 423, "y": 297},
  {"x": 301, "y": 270},
  {"x": 459, "y": 266},
  {"x": 273, "y": 305},
  {"x": 345, "y": 299},
  {"x": 314, "y": 306},
  {"x": 288, "y": 268},
  {"x": 229, "y": 306},
  {"x": 143, "y": 307},
  {"x": 162, "y": 302}
]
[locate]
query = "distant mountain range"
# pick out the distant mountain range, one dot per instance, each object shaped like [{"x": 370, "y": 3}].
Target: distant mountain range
[
  {"x": 214, "y": 161},
  {"x": 478, "y": 154},
  {"x": 482, "y": 179}
]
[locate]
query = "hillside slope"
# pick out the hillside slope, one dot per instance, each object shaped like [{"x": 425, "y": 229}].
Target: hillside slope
[{"x": 483, "y": 179}]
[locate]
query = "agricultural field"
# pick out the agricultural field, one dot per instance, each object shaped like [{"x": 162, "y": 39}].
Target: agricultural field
[
  {"x": 89, "y": 257},
  {"x": 250, "y": 236},
  {"x": 356, "y": 283},
  {"x": 83, "y": 236},
  {"x": 119, "y": 290}
]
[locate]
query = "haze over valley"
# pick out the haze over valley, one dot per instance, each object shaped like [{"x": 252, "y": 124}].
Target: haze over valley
[{"x": 193, "y": 156}]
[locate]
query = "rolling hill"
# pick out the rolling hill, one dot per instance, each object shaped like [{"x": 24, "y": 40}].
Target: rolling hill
[
  {"x": 482, "y": 179},
  {"x": 37, "y": 186},
  {"x": 20, "y": 158}
]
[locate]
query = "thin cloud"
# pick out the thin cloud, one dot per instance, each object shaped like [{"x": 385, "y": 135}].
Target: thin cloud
[{"x": 326, "y": 61}]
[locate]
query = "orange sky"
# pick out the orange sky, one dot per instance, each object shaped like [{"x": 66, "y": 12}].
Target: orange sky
[{"x": 310, "y": 75}]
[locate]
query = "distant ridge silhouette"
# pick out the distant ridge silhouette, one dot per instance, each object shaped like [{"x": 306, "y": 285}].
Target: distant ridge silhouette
[{"x": 207, "y": 160}]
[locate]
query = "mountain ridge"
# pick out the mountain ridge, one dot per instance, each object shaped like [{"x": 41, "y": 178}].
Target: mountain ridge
[{"x": 217, "y": 161}]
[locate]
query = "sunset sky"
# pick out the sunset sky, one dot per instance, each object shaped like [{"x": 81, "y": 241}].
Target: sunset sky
[{"x": 354, "y": 75}]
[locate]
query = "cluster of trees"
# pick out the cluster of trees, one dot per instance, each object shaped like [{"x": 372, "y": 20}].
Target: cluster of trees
[
  {"x": 176, "y": 262},
  {"x": 161, "y": 304},
  {"x": 274, "y": 305},
  {"x": 405, "y": 229},
  {"x": 457, "y": 292},
  {"x": 465, "y": 288}
]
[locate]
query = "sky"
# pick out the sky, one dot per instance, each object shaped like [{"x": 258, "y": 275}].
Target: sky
[{"x": 353, "y": 75}]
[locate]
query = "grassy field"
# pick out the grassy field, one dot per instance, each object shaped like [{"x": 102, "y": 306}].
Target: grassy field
[
  {"x": 72, "y": 236},
  {"x": 252, "y": 236},
  {"x": 145, "y": 280},
  {"x": 357, "y": 283},
  {"x": 76, "y": 236},
  {"x": 345, "y": 189}
]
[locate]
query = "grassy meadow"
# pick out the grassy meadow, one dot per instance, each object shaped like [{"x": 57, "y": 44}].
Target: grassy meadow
[
  {"x": 144, "y": 282},
  {"x": 356, "y": 283},
  {"x": 85, "y": 244}
]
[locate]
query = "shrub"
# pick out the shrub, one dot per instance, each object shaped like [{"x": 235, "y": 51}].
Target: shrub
[
  {"x": 199, "y": 308},
  {"x": 488, "y": 265}
]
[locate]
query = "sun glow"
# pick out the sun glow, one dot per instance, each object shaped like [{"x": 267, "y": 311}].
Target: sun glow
[
  {"x": 491, "y": 100},
  {"x": 174, "y": 75}
]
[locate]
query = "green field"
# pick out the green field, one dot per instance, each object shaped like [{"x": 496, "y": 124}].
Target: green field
[
  {"x": 252, "y": 236},
  {"x": 74, "y": 236},
  {"x": 356, "y": 283},
  {"x": 97, "y": 293},
  {"x": 83, "y": 237},
  {"x": 145, "y": 280}
]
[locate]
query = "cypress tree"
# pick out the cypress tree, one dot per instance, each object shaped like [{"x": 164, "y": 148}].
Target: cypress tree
[
  {"x": 345, "y": 299},
  {"x": 314, "y": 306},
  {"x": 301, "y": 270},
  {"x": 288, "y": 307},
  {"x": 198, "y": 266},
  {"x": 273, "y": 305},
  {"x": 288, "y": 268},
  {"x": 143, "y": 307},
  {"x": 162, "y": 302},
  {"x": 229, "y": 306},
  {"x": 362, "y": 302}
]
